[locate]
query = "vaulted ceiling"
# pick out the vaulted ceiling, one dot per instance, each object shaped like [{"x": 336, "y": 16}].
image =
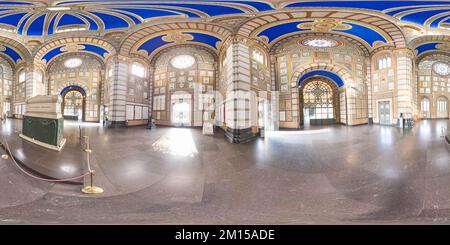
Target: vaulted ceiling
[
  {"x": 45, "y": 17},
  {"x": 146, "y": 26}
]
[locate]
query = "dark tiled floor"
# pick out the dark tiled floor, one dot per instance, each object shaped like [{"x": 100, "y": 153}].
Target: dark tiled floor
[{"x": 364, "y": 174}]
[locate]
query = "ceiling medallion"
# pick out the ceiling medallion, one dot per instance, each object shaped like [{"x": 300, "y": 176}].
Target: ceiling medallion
[
  {"x": 325, "y": 25},
  {"x": 319, "y": 43},
  {"x": 177, "y": 37},
  {"x": 442, "y": 69},
  {"x": 72, "y": 47}
]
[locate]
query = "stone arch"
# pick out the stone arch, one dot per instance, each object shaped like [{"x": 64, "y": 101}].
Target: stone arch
[
  {"x": 18, "y": 47},
  {"x": 333, "y": 86},
  {"x": 379, "y": 21},
  {"x": 355, "y": 43},
  {"x": 46, "y": 47},
  {"x": 63, "y": 86},
  {"x": 156, "y": 56},
  {"x": 133, "y": 39},
  {"x": 340, "y": 71},
  {"x": 441, "y": 49}
]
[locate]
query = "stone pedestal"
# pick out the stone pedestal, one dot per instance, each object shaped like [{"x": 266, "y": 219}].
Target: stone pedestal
[
  {"x": 237, "y": 136},
  {"x": 208, "y": 128},
  {"x": 43, "y": 123}
]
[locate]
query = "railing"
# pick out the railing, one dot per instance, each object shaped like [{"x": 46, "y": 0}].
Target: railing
[{"x": 89, "y": 189}]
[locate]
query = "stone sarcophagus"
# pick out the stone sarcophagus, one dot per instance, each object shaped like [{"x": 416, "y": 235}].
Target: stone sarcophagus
[{"x": 43, "y": 123}]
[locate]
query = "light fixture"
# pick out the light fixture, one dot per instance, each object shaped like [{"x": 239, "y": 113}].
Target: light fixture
[
  {"x": 73, "y": 63},
  {"x": 182, "y": 61},
  {"x": 58, "y": 8},
  {"x": 319, "y": 43}
]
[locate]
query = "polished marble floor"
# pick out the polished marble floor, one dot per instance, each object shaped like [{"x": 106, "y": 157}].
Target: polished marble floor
[{"x": 330, "y": 175}]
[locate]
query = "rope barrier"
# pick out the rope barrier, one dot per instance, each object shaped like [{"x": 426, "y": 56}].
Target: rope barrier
[
  {"x": 90, "y": 189},
  {"x": 8, "y": 150}
]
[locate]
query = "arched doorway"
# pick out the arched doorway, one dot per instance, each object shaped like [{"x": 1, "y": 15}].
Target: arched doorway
[
  {"x": 319, "y": 102},
  {"x": 181, "y": 112},
  {"x": 74, "y": 103}
]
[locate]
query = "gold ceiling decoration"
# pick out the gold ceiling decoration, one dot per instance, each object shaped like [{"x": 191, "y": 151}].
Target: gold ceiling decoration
[
  {"x": 177, "y": 37},
  {"x": 325, "y": 25}
]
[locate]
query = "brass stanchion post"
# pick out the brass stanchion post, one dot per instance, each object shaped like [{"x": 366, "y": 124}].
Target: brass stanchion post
[
  {"x": 5, "y": 156},
  {"x": 90, "y": 189}
]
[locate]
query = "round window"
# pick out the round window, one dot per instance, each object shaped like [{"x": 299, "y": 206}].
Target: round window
[
  {"x": 320, "y": 43},
  {"x": 442, "y": 69},
  {"x": 73, "y": 63},
  {"x": 182, "y": 61}
]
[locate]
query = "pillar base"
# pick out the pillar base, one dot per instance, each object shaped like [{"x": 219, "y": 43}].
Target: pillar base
[
  {"x": 238, "y": 136},
  {"x": 116, "y": 124}
]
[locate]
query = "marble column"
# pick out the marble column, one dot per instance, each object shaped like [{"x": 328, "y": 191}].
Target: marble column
[
  {"x": 238, "y": 96},
  {"x": 117, "y": 92},
  {"x": 369, "y": 91},
  {"x": 405, "y": 84},
  {"x": 274, "y": 100}
]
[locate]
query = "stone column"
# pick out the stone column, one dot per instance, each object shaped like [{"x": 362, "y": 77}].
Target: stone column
[
  {"x": 151, "y": 82},
  {"x": 238, "y": 92},
  {"x": 118, "y": 92},
  {"x": 405, "y": 83},
  {"x": 30, "y": 82},
  {"x": 274, "y": 106},
  {"x": 369, "y": 90}
]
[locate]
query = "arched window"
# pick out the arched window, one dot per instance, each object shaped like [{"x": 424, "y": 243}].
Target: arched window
[
  {"x": 22, "y": 76},
  {"x": 258, "y": 56},
  {"x": 384, "y": 62},
  {"x": 425, "y": 108},
  {"x": 138, "y": 69},
  {"x": 442, "y": 107}
]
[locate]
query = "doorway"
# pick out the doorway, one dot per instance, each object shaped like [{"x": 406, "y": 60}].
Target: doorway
[
  {"x": 181, "y": 114},
  {"x": 384, "y": 110},
  {"x": 74, "y": 103},
  {"x": 320, "y": 99}
]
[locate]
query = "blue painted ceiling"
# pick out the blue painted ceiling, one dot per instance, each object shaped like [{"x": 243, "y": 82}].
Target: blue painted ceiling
[
  {"x": 88, "y": 48},
  {"x": 363, "y": 33},
  {"x": 10, "y": 53},
  {"x": 432, "y": 46},
  {"x": 154, "y": 43},
  {"x": 47, "y": 17},
  {"x": 34, "y": 19}
]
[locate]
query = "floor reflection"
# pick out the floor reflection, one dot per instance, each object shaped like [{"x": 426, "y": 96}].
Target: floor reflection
[{"x": 177, "y": 142}]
